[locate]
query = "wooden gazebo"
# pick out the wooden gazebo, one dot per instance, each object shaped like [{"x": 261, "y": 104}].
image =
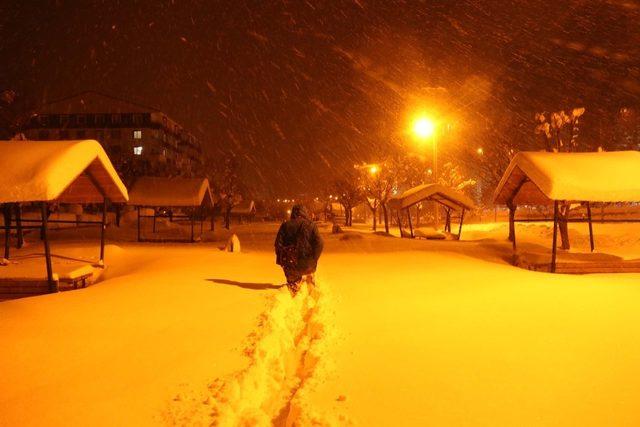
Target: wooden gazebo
[
  {"x": 452, "y": 200},
  {"x": 46, "y": 172},
  {"x": 246, "y": 210},
  {"x": 549, "y": 179},
  {"x": 163, "y": 195}
]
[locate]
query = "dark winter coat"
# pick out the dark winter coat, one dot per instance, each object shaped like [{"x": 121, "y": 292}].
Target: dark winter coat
[{"x": 299, "y": 236}]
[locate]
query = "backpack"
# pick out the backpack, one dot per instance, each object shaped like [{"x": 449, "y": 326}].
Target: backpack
[{"x": 289, "y": 255}]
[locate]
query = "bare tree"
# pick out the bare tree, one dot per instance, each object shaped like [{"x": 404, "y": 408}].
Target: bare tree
[
  {"x": 349, "y": 195},
  {"x": 377, "y": 182},
  {"x": 11, "y": 120},
  {"x": 227, "y": 185},
  {"x": 560, "y": 132}
]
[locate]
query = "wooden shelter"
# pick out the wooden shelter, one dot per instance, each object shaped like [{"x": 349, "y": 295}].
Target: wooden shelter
[
  {"x": 46, "y": 172},
  {"x": 167, "y": 197},
  {"x": 551, "y": 179},
  {"x": 244, "y": 211},
  {"x": 452, "y": 201}
]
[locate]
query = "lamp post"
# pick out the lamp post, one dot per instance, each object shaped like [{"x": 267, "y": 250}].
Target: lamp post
[{"x": 425, "y": 128}]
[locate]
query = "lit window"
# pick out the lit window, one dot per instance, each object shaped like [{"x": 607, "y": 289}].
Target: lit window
[
  {"x": 137, "y": 151},
  {"x": 137, "y": 134}
]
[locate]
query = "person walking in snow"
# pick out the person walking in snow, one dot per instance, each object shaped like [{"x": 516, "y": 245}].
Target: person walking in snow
[{"x": 298, "y": 247}]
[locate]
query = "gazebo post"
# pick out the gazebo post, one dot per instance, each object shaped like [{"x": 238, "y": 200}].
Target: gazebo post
[
  {"x": 590, "y": 226},
  {"x": 460, "y": 227},
  {"x": 554, "y": 249},
  {"x": 6, "y": 210},
  {"x": 193, "y": 215},
  {"x": 201, "y": 220},
  {"x": 512, "y": 222},
  {"x": 138, "y": 209},
  {"x": 399, "y": 219},
  {"x": 19, "y": 225},
  {"x": 410, "y": 223},
  {"x": 103, "y": 227},
  {"x": 47, "y": 249}
]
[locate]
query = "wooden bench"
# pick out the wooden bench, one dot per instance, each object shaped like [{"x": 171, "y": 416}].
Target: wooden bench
[
  {"x": 580, "y": 264},
  {"x": 80, "y": 276}
]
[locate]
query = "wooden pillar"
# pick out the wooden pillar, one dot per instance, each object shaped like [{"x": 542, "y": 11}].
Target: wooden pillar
[
  {"x": 399, "y": 219},
  {"x": 590, "y": 226},
  {"x": 193, "y": 216},
  {"x": 460, "y": 227},
  {"x": 47, "y": 249},
  {"x": 447, "y": 224},
  {"x": 19, "y": 225},
  {"x": 103, "y": 228},
  {"x": 410, "y": 223},
  {"x": 42, "y": 229},
  {"x": 138, "y": 209},
  {"x": 201, "y": 220},
  {"x": 154, "y": 220},
  {"x": 512, "y": 224},
  {"x": 6, "y": 210},
  {"x": 554, "y": 249}
]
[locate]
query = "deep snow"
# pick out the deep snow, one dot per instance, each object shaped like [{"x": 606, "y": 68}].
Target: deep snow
[{"x": 397, "y": 332}]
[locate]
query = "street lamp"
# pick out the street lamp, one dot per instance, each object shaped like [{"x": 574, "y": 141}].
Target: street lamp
[{"x": 424, "y": 128}]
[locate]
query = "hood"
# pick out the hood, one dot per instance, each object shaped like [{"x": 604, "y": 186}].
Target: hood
[{"x": 299, "y": 211}]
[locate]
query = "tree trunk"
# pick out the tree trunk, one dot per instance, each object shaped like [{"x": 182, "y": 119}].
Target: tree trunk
[
  {"x": 227, "y": 218},
  {"x": 349, "y": 216},
  {"x": 375, "y": 218},
  {"x": 118, "y": 214},
  {"x": 386, "y": 218},
  {"x": 563, "y": 225}
]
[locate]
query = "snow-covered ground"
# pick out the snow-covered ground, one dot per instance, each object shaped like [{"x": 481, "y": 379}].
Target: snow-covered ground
[{"x": 397, "y": 332}]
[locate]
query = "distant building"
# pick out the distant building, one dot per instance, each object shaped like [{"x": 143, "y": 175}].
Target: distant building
[{"x": 139, "y": 140}]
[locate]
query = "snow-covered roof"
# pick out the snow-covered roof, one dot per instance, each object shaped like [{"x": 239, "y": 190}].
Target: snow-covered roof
[
  {"x": 91, "y": 102},
  {"x": 64, "y": 171},
  {"x": 445, "y": 195},
  {"x": 244, "y": 208},
  {"x": 541, "y": 177},
  {"x": 160, "y": 191}
]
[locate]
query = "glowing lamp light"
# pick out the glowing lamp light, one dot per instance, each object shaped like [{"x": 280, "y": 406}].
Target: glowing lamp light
[
  {"x": 424, "y": 128},
  {"x": 480, "y": 151},
  {"x": 374, "y": 169}
]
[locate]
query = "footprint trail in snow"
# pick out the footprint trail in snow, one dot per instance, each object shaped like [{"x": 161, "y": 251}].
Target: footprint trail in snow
[{"x": 288, "y": 355}]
